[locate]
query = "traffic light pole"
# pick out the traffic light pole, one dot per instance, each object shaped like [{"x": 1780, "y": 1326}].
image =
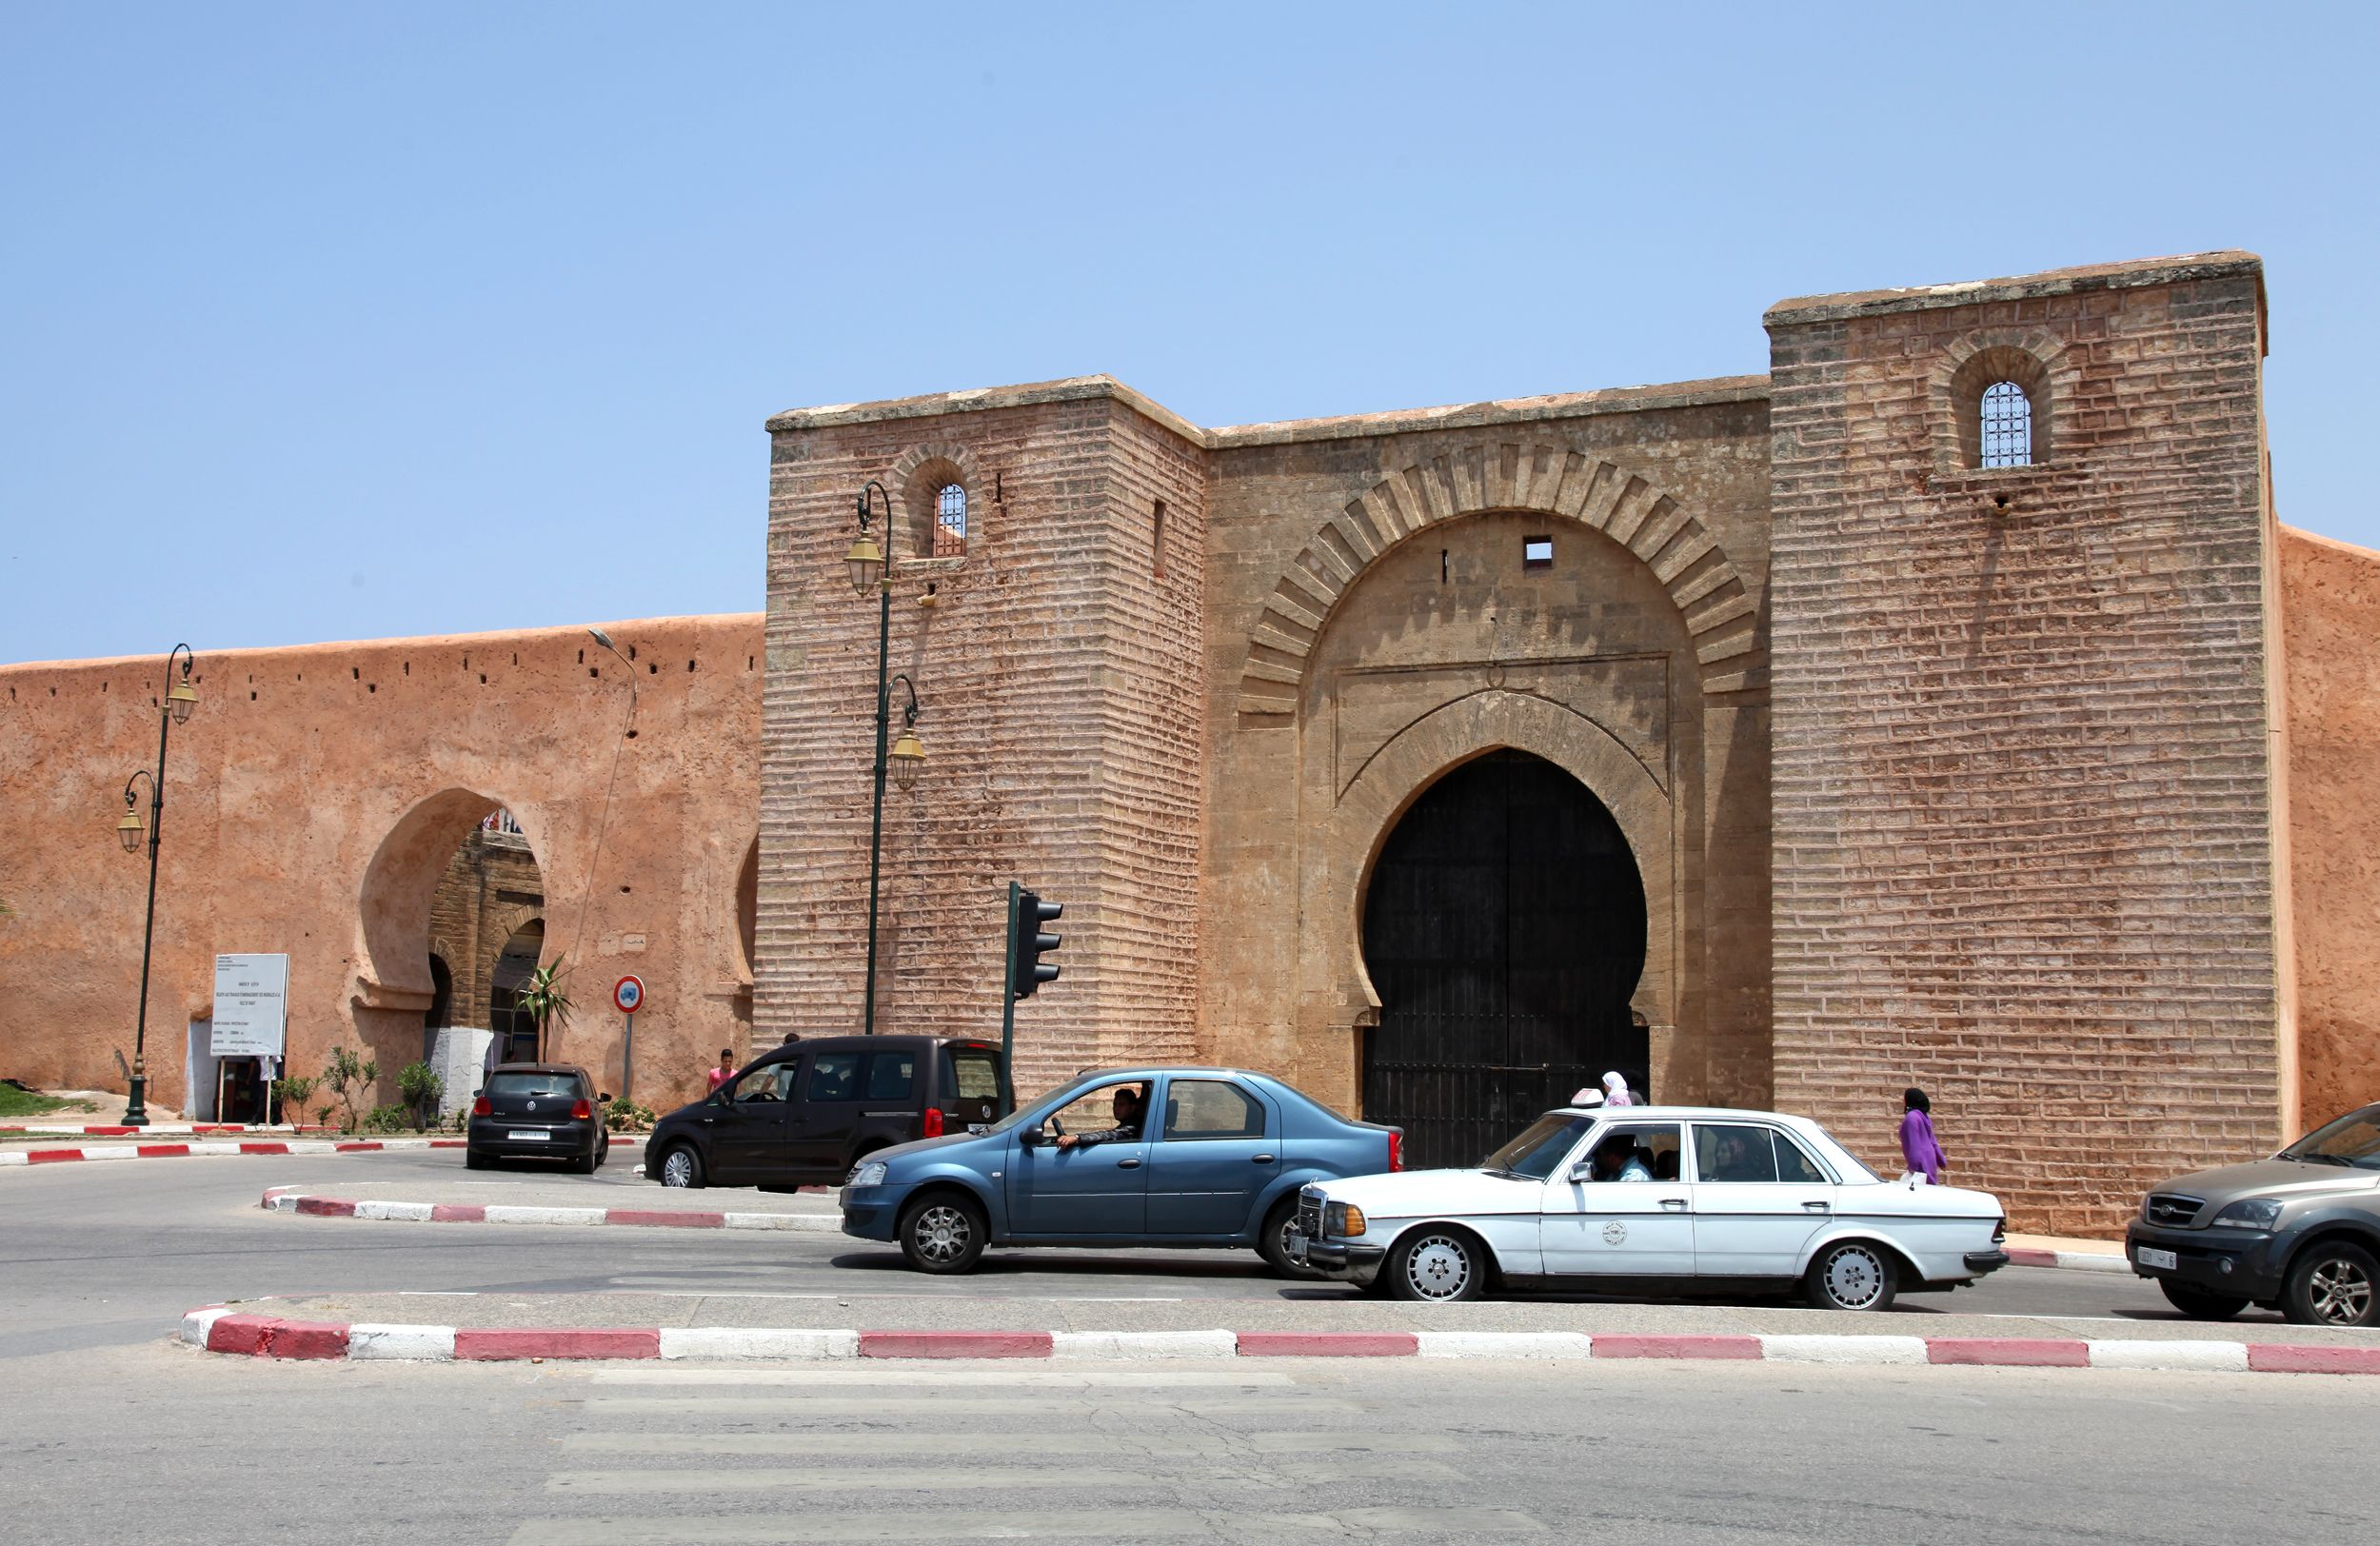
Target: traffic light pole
[{"x": 1008, "y": 1007}]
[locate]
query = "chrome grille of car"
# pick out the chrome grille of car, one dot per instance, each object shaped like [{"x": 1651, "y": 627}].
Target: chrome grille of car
[
  {"x": 1310, "y": 1215},
  {"x": 2172, "y": 1209}
]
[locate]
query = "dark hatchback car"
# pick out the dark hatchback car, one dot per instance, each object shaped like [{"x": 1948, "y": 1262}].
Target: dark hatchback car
[
  {"x": 538, "y": 1111},
  {"x": 2298, "y": 1233},
  {"x": 805, "y": 1113}
]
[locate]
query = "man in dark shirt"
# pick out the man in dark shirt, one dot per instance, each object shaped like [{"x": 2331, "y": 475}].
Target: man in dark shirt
[{"x": 1130, "y": 1103}]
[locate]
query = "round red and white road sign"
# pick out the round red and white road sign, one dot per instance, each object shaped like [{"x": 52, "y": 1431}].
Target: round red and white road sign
[{"x": 628, "y": 994}]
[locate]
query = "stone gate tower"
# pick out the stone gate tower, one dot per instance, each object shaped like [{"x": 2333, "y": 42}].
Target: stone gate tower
[{"x": 1048, "y": 613}]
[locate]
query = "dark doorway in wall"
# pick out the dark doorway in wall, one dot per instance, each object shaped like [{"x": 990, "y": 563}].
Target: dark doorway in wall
[{"x": 1504, "y": 929}]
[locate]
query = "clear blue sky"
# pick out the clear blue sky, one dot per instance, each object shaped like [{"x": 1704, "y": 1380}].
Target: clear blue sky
[{"x": 331, "y": 322}]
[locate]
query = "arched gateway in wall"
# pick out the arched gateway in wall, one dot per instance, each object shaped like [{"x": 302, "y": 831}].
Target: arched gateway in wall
[
  {"x": 1440, "y": 676},
  {"x": 1504, "y": 931}
]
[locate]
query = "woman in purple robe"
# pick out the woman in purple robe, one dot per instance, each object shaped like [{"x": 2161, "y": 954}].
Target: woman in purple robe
[{"x": 1918, "y": 1146}]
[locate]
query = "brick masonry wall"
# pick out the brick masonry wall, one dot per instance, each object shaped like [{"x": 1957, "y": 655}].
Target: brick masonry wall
[
  {"x": 2022, "y": 807},
  {"x": 1057, "y": 678},
  {"x": 317, "y": 796},
  {"x": 2330, "y": 616}
]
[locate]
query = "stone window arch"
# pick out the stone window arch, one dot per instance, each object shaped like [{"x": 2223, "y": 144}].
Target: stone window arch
[
  {"x": 940, "y": 488},
  {"x": 2001, "y": 404}
]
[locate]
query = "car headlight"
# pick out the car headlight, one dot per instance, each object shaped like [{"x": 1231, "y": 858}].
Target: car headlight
[
  {"x": 2250, "y": 1213},
  {"x": 1343, "y": 1220},
  {"x": 868, "y": 1173}
]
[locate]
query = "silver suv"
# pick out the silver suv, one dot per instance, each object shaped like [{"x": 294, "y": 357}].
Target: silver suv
[{"x": 2298, "y": 1233}]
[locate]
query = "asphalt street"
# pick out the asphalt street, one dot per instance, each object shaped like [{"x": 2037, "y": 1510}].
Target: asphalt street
[
  {"x": 158, "y": 1444},
  {"x": 112, "y": 1253},
  {"x": 116, "y": 1433}
]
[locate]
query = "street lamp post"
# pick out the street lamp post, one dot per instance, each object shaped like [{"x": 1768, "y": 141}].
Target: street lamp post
[
  {"x": 871, "y": 565},
  {"x": 180, "y": 700}
]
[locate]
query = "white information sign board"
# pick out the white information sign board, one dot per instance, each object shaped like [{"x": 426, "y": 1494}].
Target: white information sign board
[{"x": 251, "y": 1005}]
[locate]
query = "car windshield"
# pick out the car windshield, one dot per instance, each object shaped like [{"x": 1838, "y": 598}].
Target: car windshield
[
  {"x": 1056, "y": 1100},
  {"x": 2354, "y": 1139},
  {"x": 1536, "y": 1151}
]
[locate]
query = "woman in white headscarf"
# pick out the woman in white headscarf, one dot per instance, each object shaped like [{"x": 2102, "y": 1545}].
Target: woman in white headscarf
[{"x": 1616, "y": 1091}]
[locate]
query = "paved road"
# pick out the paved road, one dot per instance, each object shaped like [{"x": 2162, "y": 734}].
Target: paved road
[
  {"x": 152, "y": 1443},
  {"x": 110, "y": 1254}
]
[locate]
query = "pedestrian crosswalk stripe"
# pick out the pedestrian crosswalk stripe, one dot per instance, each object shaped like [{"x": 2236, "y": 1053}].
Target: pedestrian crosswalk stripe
[
  {"x": 862, "y": 1402},
  {"x": 1106, "y": 1524},
  {"x": 1152, "y": 1446},
  {"x": 942, "y": 1477}
]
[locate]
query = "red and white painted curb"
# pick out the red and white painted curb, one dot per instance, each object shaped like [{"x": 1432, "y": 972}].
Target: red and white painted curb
[
  {"x": 223, "y": 1329},
  {"x": 153, "y": 1129},
  {"x": 2019, "y": 1256},
  {"x": 291, "y": 1199},
  {"x": 218, "y": 1146},
  {"x": 205, "y": 1146}
]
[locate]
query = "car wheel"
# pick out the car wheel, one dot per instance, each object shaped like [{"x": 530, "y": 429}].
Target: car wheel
[
  {"x": 2333, "y": 1285},
  {"x": 473, "y": 1159},
  {"x": 942, "y": 1232},
  {"x": 1273, "y": 1243},
  {"x": 584, "y": 1164},
  {"x": 1437, "y": 1266},
  {"x": 2198, "y": 1303},
  {"x": 1850, "y": 1276},
  {"x": 680, "y": 1166}
]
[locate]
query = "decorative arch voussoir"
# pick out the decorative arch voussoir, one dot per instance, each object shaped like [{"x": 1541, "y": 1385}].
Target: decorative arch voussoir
[{"x": 1655, "y": 525}]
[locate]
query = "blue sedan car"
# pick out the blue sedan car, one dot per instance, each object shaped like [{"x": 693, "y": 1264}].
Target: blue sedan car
[{"x": 1146, "y": 1157}]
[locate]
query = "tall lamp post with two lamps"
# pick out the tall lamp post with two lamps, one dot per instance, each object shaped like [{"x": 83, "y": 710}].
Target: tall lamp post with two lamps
[
  {"x": 871, "y": 567},
  {"x": 180, "y": 698}
]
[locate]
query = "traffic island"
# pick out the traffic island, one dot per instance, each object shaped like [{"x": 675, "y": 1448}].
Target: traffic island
[
  {"x": 494, "y": 1328},
  {"x": 291, "y": 1199}
]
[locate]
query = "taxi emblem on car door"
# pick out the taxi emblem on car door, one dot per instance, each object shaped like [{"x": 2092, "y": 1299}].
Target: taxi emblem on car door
[{"x": 1614, "y": 1232}]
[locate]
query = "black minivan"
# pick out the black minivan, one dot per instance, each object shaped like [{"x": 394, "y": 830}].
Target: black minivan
[{"x": 804, "y": 1114}]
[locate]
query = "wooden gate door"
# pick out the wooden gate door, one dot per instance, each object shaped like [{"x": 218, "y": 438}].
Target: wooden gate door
[{"x": 1504, "y": 929}]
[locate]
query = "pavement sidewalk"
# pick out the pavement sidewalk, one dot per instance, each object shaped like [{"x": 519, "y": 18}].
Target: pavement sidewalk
[{"x": 560, "y": 1201}]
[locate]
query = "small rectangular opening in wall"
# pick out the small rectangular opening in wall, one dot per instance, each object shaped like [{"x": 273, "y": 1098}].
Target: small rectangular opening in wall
[
  {"x": 1537, "y": 553},
  {"x": 1156, "y": 542}
]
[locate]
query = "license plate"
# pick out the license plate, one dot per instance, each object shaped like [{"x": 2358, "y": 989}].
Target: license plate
[
  {"x": 978, "y": 1129},
  {"x": 528, "y": 1138},
  {"x": 2165, "y": 1261},
  {"x": 1297, "y": 1246}
]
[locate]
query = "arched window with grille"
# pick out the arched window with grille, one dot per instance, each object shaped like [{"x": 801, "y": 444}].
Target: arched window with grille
[
  {"x": 2005, "y": 426},
  {"x": 950, "y": 520}
]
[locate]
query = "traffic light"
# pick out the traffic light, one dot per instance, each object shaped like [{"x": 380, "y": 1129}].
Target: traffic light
[{"x": 1027, "y": 971}]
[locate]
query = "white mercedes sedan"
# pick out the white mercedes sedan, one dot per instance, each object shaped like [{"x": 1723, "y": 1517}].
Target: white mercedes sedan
[{"x": 1658, "y": 1201}]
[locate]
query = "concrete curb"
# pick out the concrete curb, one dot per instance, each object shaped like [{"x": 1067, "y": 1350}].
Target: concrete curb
[
  {"x": 218, "y": 1328},
  {"x": 2076, "y": 1261},
  {"x": 152, "y": 1130},
  {"x": 222, "y": 1146},
  {"x": 290, "y": 1200}
]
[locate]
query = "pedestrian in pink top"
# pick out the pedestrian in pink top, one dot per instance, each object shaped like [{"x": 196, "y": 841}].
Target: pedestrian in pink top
[
  {"x": 1917, "y": 1144},
  {"x": 726, "y": 1069}
]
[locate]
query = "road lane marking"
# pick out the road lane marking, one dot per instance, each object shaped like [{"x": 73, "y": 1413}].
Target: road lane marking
[
  {"x": 1152, "y": 1446},
  {"x": 840, "y": 1406},
  {"x": 940, "y": 1378},
  {"x": 1109, "y": 1524}
]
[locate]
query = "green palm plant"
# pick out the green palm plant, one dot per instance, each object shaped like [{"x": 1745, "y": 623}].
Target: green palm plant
[{"x": 543, "y": 1000}]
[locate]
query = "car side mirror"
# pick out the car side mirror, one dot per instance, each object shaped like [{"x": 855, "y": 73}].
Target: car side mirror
[
  {"x": 1032, "y": 1137},
  {"x": 605, "y": 1098},
  {"x": 1582, "y": 1171}
]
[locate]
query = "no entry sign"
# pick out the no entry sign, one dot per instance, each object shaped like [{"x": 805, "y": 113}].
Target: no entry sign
[{"x": 628, "y": 995}]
